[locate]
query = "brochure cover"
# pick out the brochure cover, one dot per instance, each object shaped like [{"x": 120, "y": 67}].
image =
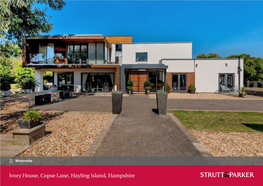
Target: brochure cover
[{"x": 131, "y": 92}]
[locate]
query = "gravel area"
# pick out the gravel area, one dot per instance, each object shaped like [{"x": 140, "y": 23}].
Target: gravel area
[
  {"x": 206, "y": 96},
  {"x": 69, "y": 134},
  {"x": 9, "y": 106},
  {"x": 234, "y": 144}
]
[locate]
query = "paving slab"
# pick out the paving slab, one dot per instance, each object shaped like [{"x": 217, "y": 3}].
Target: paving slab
[{"x": 139, "y": 131}]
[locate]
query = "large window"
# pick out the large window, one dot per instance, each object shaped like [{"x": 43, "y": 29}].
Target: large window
[
  {"x": 46, "y": 53},
  {"x": 141, "y": 57},
  {"x": 179, "y": 82},
  {"x": 97, "y": 82},
  {"x": 90, "y": 53},
  {"x": 65, "y": 81},
  {"x": 100, "y": 53},
  {"x": 226, "y": 82}
]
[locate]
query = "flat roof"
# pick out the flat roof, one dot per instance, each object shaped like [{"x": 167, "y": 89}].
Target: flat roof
[{"x": 201, "y": 58}]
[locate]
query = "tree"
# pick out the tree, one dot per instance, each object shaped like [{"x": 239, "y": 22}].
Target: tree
[
  {"x": 209, "y": 55},
  {"x": 21, "y": 18},
  {"x": 253, "y": 67},
  {"x": 21, "y": 72}
]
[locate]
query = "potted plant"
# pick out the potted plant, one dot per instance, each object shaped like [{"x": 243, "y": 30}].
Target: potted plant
[
  {"x": 117, "y": 102},
  {"x": 30, "y": 119},
  {"x": 147, "y": 87},
  {"x": 243, "y": 93},
  {"x": 192, "y": 89},
  {"x": 28, "y": 83},
  {"x": 168, "y": 88},
  {"x": 5, "y": 86},
  {"x": 130, "y": 86},
  {"x": 161, "y": 99}
]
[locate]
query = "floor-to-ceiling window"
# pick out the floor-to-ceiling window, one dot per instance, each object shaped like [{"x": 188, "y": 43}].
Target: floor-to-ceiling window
[
  {"x": 97, "y": 82},
  {"x": 226, "y": 82},
  {"x": 87, "y": 53},
  {"x": 65, "y": 81},
  {"x": 179, "y": 82}
]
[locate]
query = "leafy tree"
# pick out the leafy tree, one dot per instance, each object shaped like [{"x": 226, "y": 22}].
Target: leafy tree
[
  {"x": 27, "y": 72},
  {"x": 21, "y": 18},
  {"x": 253, "y": 67},
  {"x": 209, "y": 55}
]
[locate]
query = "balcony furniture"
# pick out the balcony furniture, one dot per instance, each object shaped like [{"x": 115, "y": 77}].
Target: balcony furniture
[
  {"x": 42, "y": 99},
  {"x": 64, "y": 94}
]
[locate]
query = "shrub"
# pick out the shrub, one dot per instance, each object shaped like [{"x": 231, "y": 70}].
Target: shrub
[
  {"x": 147, "y": 83},
  {"x": 5, "y": 83},
  {"x": 148, "y": 88},
  {"x": 32, "y": 115},
  {"x": 192, "y": 87},
  {"x": 130, "y": 87},
  {"x": 168, "y": 88},
  {"x": 243, "y": 89},
  {"x": 161, "y": 92},
  {"x": 117, "y": 91},
  {"x": 130, "y": 83},
  {"x": 28, "y": 82}
]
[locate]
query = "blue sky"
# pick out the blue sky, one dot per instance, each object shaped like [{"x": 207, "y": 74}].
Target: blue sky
[{"x": 220, "y": 27}]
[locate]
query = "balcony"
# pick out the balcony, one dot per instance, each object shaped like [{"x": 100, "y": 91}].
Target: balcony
[{"x": 62, "y": 59}]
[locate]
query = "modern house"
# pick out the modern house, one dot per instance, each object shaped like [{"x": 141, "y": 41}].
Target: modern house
[{"x": 97, "y": 63}]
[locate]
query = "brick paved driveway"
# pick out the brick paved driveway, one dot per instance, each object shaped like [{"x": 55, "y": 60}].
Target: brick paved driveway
[{"x": 138, "y": 131}]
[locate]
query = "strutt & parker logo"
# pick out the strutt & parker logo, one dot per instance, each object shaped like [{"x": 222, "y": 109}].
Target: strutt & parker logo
[{"x": 226, "y": 174}]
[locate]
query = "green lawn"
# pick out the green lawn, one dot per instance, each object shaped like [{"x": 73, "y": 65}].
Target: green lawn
[
  {"x": 221, "y": 121},
  {"x": 15, "y": 87}
]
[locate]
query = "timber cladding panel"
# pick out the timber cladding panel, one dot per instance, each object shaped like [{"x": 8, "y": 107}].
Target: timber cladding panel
[
  {"x": 119, "y": 39},
  {"x": 190, "y": 78}
]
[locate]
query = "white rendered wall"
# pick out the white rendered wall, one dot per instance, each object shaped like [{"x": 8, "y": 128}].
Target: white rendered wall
[
  {"x": 156, "y": 51},
  {"x": 39, "y": 78},
  {"x": 179, "y": 65},
  {"x": 207, "y": 73},
  {"x": 113, "y": 49},
  {"x": 77, "y": 81}
]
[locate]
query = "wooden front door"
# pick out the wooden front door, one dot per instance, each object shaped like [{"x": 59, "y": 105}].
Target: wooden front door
[{"x": 138, "y": 79}]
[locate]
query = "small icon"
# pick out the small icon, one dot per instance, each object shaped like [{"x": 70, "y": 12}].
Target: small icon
[{"x": 11, "y": 161}]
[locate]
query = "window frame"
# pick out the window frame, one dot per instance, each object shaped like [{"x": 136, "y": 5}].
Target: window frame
[{"x": 141, "y": 53}]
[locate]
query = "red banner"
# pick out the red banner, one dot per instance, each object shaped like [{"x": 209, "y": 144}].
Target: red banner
[{"x": 131, "y": 175}]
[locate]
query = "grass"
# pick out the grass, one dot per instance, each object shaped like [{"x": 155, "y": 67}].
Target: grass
[
  {"x": 221, "y": 121},
  {"x": 15, "y": 87}
]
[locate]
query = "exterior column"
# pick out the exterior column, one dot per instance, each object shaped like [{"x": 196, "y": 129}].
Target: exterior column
[
  {"x": 39, "y": 78},
  {"x": 55, "y": 77},
  {"x": 77, "y": 81}
]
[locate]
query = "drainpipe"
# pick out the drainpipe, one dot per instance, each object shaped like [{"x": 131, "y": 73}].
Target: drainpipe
[{"x": 239, "y": 69}]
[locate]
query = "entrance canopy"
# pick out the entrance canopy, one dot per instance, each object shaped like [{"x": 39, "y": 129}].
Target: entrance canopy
[{"x": 139, "y": 73}]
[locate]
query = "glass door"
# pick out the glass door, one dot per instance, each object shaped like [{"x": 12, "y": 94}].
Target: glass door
[{"x": 179, "y": 82}]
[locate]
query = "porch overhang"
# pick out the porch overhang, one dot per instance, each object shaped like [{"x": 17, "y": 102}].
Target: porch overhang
[{"x": 139, "y": 66}]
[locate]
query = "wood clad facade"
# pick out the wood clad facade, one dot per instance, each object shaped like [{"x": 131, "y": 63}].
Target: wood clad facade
[{"x": 119, "y": 39}]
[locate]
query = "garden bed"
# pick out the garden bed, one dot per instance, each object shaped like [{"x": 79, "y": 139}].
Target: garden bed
[{"x": 69, "y": 134}]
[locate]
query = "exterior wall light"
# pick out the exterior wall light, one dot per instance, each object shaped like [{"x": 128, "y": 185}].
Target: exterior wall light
[
  {"x": 226, "y": 64},
  {"x": 196, "y": 65}
]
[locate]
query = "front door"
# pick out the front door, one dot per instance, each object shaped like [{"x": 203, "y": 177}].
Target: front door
[{"x": 138, "y": 79}]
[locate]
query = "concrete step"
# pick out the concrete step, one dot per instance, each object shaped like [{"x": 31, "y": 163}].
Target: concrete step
[{"x": 6, "y": 139}]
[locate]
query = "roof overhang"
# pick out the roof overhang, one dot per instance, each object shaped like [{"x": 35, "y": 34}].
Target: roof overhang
[{"x": 144, "y": 66}]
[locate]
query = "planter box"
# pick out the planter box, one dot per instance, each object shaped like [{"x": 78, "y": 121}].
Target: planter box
[
  {"x": 42, "y": 99},
  {"x": 116, "y": 103},
  {"x": 27, "y": 91},
  {"x": 5, "y": 93},
  {"x": 161, "y": 99},
  {"x": 27, "y": 124},
  {"x": 64, "y": 94}
]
